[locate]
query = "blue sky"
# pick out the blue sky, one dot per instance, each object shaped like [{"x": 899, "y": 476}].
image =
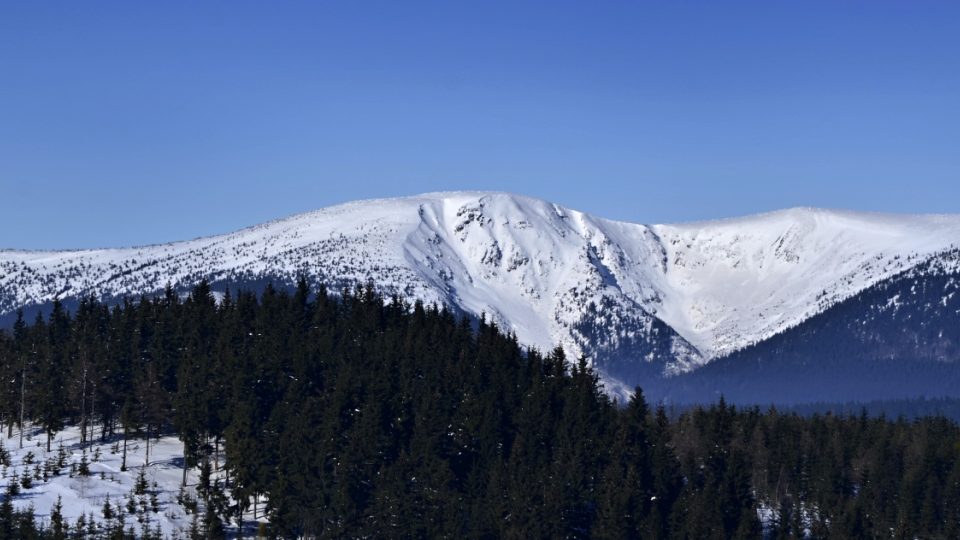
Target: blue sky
[{"x": 138, "y": 122}]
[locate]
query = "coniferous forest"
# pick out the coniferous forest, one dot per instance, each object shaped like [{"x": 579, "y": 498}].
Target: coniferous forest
[{"x": 354, "y": 415}]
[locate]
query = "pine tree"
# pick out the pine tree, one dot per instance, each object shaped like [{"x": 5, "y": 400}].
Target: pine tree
[
  {"x": 7, "y": 518},
  {"x": 54, "y": 355},
  {"x": 59, "y": 529},
  {"x": 628, "y": 488}
]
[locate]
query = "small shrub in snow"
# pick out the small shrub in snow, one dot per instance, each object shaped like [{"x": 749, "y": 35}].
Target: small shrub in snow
[
  {"x": 84, "y": 468},
  {"x": 107, "y": 510},
  {"x": 13, "y": 487},
  {"x": 61, "y": 456},
  {"x": 188, "y": 503},
  {"x": 140, "y": 487},
  {"x": 26, "y": 480}
]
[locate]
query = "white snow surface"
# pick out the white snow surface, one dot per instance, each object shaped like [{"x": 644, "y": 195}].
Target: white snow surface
[
  {"x": 533, "y": 266},
  {"x": 85, "y": 495}
]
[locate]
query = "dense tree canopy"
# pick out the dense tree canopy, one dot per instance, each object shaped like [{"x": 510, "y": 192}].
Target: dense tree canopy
[{"x": 359, "y": 416}]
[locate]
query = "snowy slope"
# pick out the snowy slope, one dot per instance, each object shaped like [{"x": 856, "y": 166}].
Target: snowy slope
[
  {"x": 738, "y": 281},
  {"x": 671, "y": 296},
  {"x": 157, "y": 508},
  {"x": 896, "y": 340}
]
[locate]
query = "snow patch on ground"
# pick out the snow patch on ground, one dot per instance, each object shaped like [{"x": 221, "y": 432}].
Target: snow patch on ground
[{"x": 86, "y": 495}]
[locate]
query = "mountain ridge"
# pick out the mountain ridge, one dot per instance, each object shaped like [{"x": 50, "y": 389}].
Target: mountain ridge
[{"x": 633, "y": 298}]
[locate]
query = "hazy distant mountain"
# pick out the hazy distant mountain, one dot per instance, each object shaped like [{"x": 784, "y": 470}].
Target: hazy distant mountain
[
  {"x": 682, "y": 309},
  {"x": 897, "y": 339}
]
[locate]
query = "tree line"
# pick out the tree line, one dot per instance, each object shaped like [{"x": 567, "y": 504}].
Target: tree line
[{"x": 355, "y": 415}]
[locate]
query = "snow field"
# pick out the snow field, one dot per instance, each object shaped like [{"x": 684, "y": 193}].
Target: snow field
[{"x": 156, "y": 508}]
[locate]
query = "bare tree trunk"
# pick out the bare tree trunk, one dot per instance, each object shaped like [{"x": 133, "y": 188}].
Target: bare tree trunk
[
  {"x": 147, "y": 459},
  {"x": 183, "y": 479},
  {"x": 93, "y": 408},
  {"x": 23, "y": 390},
  {"x": 83, "y": 408},
  {"x": 123, "y": 464}
]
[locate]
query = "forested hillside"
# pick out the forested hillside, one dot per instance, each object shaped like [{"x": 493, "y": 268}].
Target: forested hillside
[
  {"x": 353, "y": 415},
  {"x": 896, "y": 340}
]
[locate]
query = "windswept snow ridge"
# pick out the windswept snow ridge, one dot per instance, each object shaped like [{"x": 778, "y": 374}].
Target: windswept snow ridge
[{"x": 636, "y": 299}]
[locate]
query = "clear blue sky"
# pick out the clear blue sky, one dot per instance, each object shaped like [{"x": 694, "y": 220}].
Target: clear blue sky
[{"x": 136, "y": 122}]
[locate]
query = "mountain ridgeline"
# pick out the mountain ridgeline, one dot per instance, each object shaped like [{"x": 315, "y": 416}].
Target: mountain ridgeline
[
  {"x": 896, "y": 340},
  {"x": 789, "y": 307},
  {"x": 357, "y": 416}
]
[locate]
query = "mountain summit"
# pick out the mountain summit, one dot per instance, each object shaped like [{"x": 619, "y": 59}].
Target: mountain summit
[{"x": 640, "y": 301}]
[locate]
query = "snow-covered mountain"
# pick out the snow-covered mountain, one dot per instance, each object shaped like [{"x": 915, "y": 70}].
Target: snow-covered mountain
[
  {"x": 898, "y": 339},
  {"x": 640, "y": 300}
]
